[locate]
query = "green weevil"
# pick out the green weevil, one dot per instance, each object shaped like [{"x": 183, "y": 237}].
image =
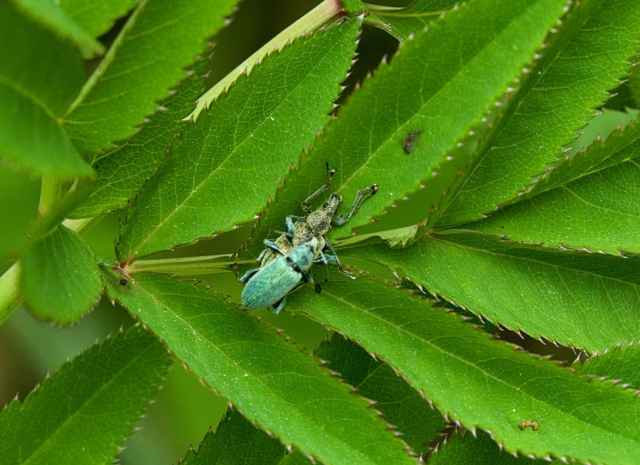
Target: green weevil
[
  {"x": 315, "y": 224},
  {"x": 270, "y": 284}
]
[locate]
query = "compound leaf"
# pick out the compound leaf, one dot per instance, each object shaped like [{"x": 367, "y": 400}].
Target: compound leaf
[
  {"x": 587, "y": 57},
  {"x": 236, "y": 441},
  {"x": 399, "y": 127},
  {"x": 121, "y": 172},
  {"x": 400, "y": 404},
  {"x": 546, "y": 293},
  {"x": 158, "y": 40},
  {"x": 222, "y": 169},
  {"x": 40, "y": 74},
  {"x": 271, "y": 381},
  {"x": 60, "y": 277},
  {"x": 87, "y": 408},
  {"x": 478, "y": 381}
]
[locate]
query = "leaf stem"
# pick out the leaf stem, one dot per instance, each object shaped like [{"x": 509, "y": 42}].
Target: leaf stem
[
  {"x": 315, "y": 19},
  {"x": 10, "y": 297},
  {"x": 49, "y": 194},
  {"x": 185, "y": 266}
]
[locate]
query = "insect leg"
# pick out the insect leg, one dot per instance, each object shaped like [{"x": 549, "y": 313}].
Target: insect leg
[
  {"x": 290, "y": 227},
  {"x": 334, "y": 259},
  {"x": 306, "y": 207},
  {"x": 361, "y": 197},
  {"x": 307, "y": 277},
  {"x": 247, "y": 276},
  {"x": 279, "y": 305},
  {"x": 274, "y": 246}
]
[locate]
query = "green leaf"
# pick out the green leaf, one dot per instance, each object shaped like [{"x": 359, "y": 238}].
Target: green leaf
[
  {"x": 236, "y": 441},
  {"x": 400, "y": 404},
  {"x": 296, "y": 458},
  {"x": 159, "y": 38},
  {"x": 226, "y": 164},
  {"x": 469, "y": 450},
  {"x": 544, "y": 292},
  {"x": 478, "y": 381},
  {"x": 620, "y": 363},
  {"x": 96, "y": 17},
  {"x": 587, "y": 57},
  {"x": 123, "y": 170},
  {"x": 85, "y": 410},
  {"x": 51, "y": 15},
  {"x": 404, "y": 22},
  {"x": 424, "y": 102},
  {"x": 599, "y": 212},
  {"x": 39, "y": 76},
  {"x": 60, "y": 277},
  {"x": 269, "y": 380}
]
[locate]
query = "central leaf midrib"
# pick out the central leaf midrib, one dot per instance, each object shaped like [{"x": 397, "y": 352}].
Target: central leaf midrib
[
  {"x": 468, "y": 363},
  {"x": 236, "y": 363},
  {"x": 136, "y": 250}
]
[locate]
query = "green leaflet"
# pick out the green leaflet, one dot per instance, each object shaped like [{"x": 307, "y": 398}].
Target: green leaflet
[
  {"x": 39, "y": 76},
  {"x": 296, "y": 458},
  {"x": 271, "y": 381},
  {"x": 598, "y": 212},
  {"x": 226, "y": 165},
  {"x": 546, "y": 293},
  {"x": 96, "y": 17},
  {"x": 123, "y": 170},
  {"x": 424, "y": 102},
  {"x": 159, "y": 38},
  {"x": 584, "y": 60},
  {"x": 86, "y": 409},
  {"x": 478, "y": 381},
  {"x": 620, "y": 363},
  {"x": 60, "y": 277},
  {"x": 51, "y": 15},
  {"x": 404, "y": 22},
  {"x": 236, "y": 441},
  {"x": 469, "y": 450},
  {"x": 400, "y": 404}
]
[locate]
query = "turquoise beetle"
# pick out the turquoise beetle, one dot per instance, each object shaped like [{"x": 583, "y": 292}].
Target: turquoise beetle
[{"x": 270, "y": 284}]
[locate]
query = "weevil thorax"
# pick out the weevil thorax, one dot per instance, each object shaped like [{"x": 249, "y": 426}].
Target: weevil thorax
[
  {"x": 318, "y": 223},
  {"x": 301, "y": 257}
]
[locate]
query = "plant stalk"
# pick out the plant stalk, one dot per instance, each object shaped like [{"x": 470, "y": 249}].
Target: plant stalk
[
  {"x": 49, "y": 194},
  {"x": 185, "y": 266},
  {"x": 10, "y": 297},
  {"x": 312, "y": 21}
]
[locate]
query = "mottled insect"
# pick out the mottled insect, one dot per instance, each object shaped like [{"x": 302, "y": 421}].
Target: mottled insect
[
  {"x": 534, "y": 424},
  {"x": 315, "y": 224},
  {"x": 270, "y": 284}
]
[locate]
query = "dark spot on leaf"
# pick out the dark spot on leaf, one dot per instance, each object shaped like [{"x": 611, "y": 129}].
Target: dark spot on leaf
[
  {"x": 410, "y": 141},
  {"x": 318, "y": 288},
  {"x": 123, "y": 282}
]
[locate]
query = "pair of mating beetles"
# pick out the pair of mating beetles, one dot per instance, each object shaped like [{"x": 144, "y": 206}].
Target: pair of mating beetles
[{"x": 285, "y": 263}]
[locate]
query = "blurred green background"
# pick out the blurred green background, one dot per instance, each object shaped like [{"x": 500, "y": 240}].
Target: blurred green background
[{"x": 185, "y": 409}]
